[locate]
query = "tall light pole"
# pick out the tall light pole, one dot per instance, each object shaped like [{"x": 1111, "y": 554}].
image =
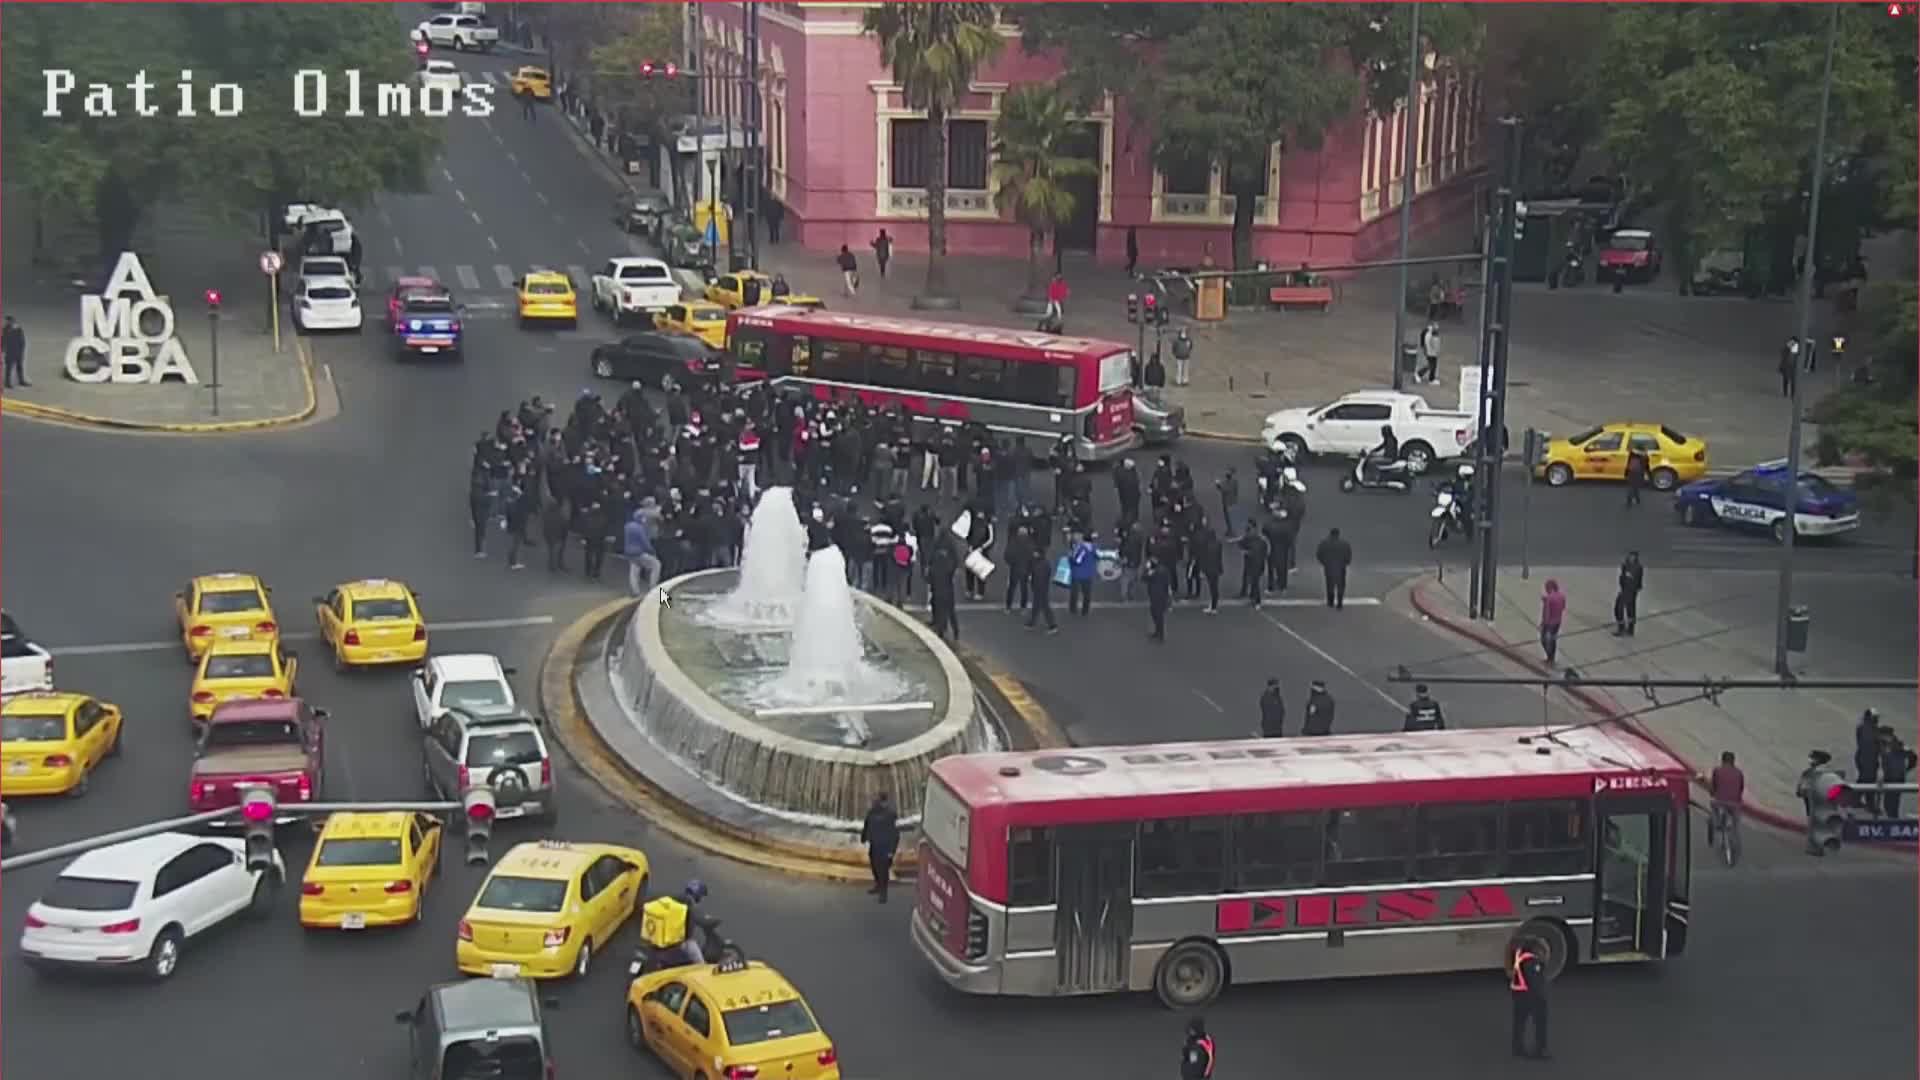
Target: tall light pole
[
  {"x": 1415, "y": 61},
  {"x": 1783, "y": 611}
]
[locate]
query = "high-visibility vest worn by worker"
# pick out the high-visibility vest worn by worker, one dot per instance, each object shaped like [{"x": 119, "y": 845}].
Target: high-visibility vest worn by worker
[{"x": 1517, "y": 978}]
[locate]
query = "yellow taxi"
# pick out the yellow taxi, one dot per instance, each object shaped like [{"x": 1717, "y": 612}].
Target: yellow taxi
[
  {"x": 699, "y": 318},
  {"x": 240, "y": 669},
  {"x": 223, "y": 607},
  {"x": 547, "y": 907},
  {"x": 370, "y": 870},
  {"x": 370, "y": 622},
  {"x": 735, "y": 1018},
  {"x": 1600, "y": 453},
  {"x": 532, "y": 82},
  {"x": 729, "y": 290},
  {"x": 51, "y": 741},
  {"x": 547, "y": 296}
]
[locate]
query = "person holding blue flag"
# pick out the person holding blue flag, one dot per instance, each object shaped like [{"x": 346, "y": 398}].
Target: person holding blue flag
[{"x": 1082, "y": 561}]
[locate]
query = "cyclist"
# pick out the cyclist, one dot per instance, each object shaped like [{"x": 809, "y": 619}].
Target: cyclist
[{"x": 1727, "y": 785}]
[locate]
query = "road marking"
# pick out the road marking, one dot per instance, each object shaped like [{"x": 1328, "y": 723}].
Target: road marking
[
  {"x": 448, "y": 173},
  {"x": 1208, "y": 700},
  {"x": 468, "y": 279},
  {"x": 458, "y": 194},
  {"x": 541, "y": 195},
  {"x": 1323, "y": 654},
  {"x": 453, "y": 627},
  {"x": 505, "y": 274},
  {"x": 476, "y": 217},
  {"x": 492, "y": 243},
  {"x": 511, "y": 156},
  {"x": 525, "y": 176},
  {"x": 397, "y": 249},
  {"x": 577, "y": 273},
  {"x": 384, "y": 219},
  {"x": 492, "y": 77},
  {"x": 584, "y": 247},
  {"x": 498, "y": 139}
]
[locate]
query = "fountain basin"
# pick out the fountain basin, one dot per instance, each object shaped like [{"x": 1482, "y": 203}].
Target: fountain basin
[{"x": 693, "y": 689}]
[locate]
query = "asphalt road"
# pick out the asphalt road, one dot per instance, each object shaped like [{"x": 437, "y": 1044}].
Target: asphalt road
[{"x": 100, "y": 530}]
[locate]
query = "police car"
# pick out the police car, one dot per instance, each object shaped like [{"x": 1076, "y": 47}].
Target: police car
[
  {"x": 1757, "y": 499},
  {"x": 426, "y": 320}
]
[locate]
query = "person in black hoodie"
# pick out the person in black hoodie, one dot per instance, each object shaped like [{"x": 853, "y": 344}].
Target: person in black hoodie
[
  {"x": 1335, "y": 555},
  {"x": 942, "y": 562},
  {"x": 1253, "y": 563},
  {"x": 881, "y": 833},
  {"x": 1019, "y": 560},
  {"x": 594, "y": 531},
  {"x": 519, "y": 510},
  {"x": 1040, "y": 582},
  {"x": 1159, "y": 596},
  {"x": 1319, "y": 710},
  {"x": 1273, "y": 710},
  {"x": 1126, "y": 485},
  {"x": 553, "y": 531},
  {"x": 1209, "y": 560},
  {"x": 1866, "y": 750}
]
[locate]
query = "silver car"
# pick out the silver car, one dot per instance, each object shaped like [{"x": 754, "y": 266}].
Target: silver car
[
  {"x": 502, "y": 749},
  {"x": 640, "y": 210},
  {"x": 478, "y": 1027},
  {"x": 1156, "y": 419}
]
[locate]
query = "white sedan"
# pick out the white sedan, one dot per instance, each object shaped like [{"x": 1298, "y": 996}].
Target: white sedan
[
  {"x": 473, "y": 681},
  {"x": 442, "y": 75},
  {"x": 326, "y": 303},
  {"x": 134, "y": 906}
]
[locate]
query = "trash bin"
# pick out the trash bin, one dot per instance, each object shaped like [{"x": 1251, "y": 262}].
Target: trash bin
[
  {"x": 1798, "y": 621},
  {"x": 1409, "y": 357}
]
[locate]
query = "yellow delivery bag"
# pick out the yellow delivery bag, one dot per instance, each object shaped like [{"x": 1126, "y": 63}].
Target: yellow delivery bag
[{"x": 663, "y": 922}]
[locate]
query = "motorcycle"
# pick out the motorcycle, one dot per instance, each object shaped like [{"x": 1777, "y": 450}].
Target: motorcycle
[
  {"x": 1395, "y": 476},
  {"x": 647, "y": 958},
  {"x": 1447, "y": 518}
]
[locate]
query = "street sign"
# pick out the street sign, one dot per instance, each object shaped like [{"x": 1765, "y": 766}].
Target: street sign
[
  {"x": 1883, "y": 831},
  {"x": 270, "y": 262}
]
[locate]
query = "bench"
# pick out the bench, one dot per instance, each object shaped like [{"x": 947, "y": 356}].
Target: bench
[{"x": 1290, "y": 296}]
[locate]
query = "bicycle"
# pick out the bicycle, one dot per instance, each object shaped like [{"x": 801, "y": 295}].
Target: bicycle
[{"x": 1723, "y": 832}]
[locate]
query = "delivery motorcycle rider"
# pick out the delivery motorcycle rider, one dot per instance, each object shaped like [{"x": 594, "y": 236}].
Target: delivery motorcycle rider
[{"x": 668, "y": 929}]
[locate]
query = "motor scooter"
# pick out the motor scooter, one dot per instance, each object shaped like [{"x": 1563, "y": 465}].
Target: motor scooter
[
  {"x": 648, "y": 957},
  {"x": 1395, "y": 476},
  {"x": 1447, "y": 518}
]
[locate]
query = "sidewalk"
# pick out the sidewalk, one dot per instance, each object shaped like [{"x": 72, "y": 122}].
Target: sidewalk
[
  {"x": 1717, "y": 625},
  {"x": 184, "y": 254},
  {"x": 1580, "y": 356}
]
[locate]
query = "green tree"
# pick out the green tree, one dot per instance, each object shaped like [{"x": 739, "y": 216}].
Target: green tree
[
  {"x": 1231, "y": 80},
  {"x": 934, "y": 50},
  {"x": 1541, "y": 63},
  {"x": 1876, "y": 420},
  {"x": 1032, "y": 162},
  {"x": 642, "y": 34},
  {"x": 1711, "y": 109}
]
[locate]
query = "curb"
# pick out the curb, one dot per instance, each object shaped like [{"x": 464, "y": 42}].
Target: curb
[
  {"x": 1596, "y": 705},
  {"x": 52, "y": 414},
  {"x": 1042, "y": 732}
]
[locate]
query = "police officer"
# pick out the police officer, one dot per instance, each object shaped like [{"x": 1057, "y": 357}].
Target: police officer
[
  {"x": 1423, "y": 713},
  {"x": 1273, "y": 711},
  {"x": 1196, "y": 1057},
  {"x": 1527, "y": 984},
  {"x": 1319, "y": 710}
]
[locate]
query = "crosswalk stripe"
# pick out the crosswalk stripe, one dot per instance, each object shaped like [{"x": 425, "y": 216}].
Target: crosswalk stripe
[
  {"x": 394, "y": 273},
  {"x": 504, "y": 273},
  {"x": 468, "y": 279},
  {"x": 578, "y": 274},
  {"x": 490, "y": 77},
  {"x": 429, "y": 272}
]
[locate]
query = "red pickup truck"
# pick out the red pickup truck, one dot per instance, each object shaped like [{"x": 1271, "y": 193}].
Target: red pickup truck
[{"x": 279, "y": 742}]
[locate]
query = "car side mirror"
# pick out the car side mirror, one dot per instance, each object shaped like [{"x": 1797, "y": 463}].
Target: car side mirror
[
  {"x": 539, "y": 721},
  {"x": 403, "y": 1017},
  {"x": 509, "y": 671},
  {"x": 420, "y": 673}
]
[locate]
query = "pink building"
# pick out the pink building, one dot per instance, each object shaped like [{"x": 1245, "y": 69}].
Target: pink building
[{"x": 846, "y": 156}]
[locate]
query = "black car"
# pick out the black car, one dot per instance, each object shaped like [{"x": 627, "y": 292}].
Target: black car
[
  {"x": 641, "y": 210},
  {"x": 652, "y": 355}
]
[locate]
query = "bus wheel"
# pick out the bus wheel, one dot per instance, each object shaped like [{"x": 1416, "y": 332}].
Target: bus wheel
[
  {"x": 1191, "y": 974},
  {"x": 1552, "y": 940}
]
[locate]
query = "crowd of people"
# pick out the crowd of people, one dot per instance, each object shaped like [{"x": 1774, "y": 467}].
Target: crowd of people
[{"x": 670, "y": 484}]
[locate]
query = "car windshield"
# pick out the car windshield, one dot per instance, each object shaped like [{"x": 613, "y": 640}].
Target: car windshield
[
  {"x": 429, "y": 305},
  {"x": 384, "y": 608},
  {"x": 522, "y": 894},
  {"x": 90, "y": 894},
  {"x": 517, "y": 1058},
  {"x": 476, "y": 694},
  {"x": 324, "y": 268},
  {"x": 1673, "y": 436},
  {"x": 230, "y": 601},
  {"x": 505, "y": 748},
  {"x": 250, "y": 666},
  {"x": 33, "y": 728},
  {"x": 1628, "y": 243},
  {"x": 547, "y": 288},
  {"x": 252, "y": 733},
  {"x": 359, "y": 851},
  {"x": 644, "y": 273},
  {"x": 1581, "y": 437},
  {"x": 330, "y": 292},
  {"x": 764, "y": 1023},
  {"x": 1815, "y": 488}
]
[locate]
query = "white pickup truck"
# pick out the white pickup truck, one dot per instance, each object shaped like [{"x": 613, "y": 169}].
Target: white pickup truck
[
  {"x": 634, "y": 286},
  {"x": 458, "y": 32},
  {"x": 1350, "y": 425},
  {"x": 320, "y": 230},
  {"x": 24, "y": 665}
]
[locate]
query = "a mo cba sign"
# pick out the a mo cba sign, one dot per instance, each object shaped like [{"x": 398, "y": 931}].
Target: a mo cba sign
[{"x": 126, "y": 333}]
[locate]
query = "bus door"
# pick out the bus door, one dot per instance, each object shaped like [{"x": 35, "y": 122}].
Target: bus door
[
  {"x": 1630, "y": 905},
  {"x": 1093, "y": 922}
]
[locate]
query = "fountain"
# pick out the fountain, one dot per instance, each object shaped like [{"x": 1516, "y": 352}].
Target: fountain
[{"x": 783, "y": 690}]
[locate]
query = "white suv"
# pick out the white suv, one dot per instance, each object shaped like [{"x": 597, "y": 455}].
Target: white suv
[
  {"x": 634, "y": 286},
  {"x": 497, "y": 748}
]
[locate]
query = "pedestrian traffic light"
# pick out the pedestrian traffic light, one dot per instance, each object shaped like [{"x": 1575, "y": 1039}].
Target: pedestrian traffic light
[
  {"x": 257, "y": 809},
  {"x": 213, "y": 299},
  {"x": 478, "y": 805},
  {"x": 1826, "y": 814},
  {"x": 1133, "y": 307}
]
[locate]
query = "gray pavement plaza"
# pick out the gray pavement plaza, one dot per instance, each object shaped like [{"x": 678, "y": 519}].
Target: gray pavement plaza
[
  {"x": 184, "y": 253},
  {"x": 1699, "y": 624},
  {"x": 101, "y": 530}
]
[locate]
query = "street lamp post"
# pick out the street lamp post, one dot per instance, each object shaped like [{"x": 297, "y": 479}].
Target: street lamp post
[
  {"x": 1783, "y": 611},
  {"x": 1414, "y": 64}
]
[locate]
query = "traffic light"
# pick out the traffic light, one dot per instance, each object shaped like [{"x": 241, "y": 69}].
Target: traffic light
[
  {"x": 257, "y": 809},
  {"x": 1133, "y": 307},
  {"x": 1150, "y": 309},
  {"x": 213, "y": 299},
  {"x": 648, "y": 69},
  {"x": 478, "y": 804},
  {"x": 1826, "y": 815}
]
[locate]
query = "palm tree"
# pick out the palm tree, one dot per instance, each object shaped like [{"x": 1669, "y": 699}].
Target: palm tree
[
  {"x": 933, "y": 50},
  {"x": 1031, "y": 162}
]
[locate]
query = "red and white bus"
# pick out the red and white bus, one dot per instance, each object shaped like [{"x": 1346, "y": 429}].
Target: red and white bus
[
  {"x": 1182, "y": 867},
  {"x": 1032, "y": 386}
]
